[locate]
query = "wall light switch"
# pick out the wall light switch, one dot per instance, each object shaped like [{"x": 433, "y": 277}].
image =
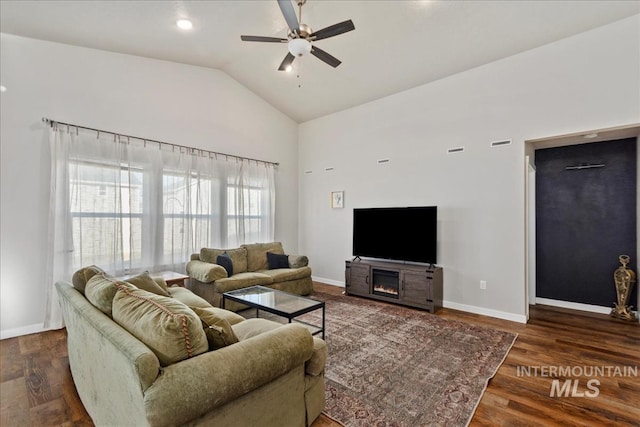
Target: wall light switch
[{"x": 483, "y": 284}]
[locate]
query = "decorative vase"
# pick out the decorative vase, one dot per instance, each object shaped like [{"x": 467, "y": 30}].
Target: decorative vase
[{"x": 624, "y": 279}]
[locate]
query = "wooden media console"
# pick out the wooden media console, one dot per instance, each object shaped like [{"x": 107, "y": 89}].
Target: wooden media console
[{"x": 406, "y": 284}]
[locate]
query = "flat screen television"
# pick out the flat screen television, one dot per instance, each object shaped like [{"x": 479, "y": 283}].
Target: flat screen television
[{"x": 404, "y": 234}]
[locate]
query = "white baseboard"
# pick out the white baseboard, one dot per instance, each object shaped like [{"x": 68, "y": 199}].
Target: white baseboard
[
  {"x": 327, "y": 281},
  {"x": 574, "y": 305},
  {"x": 454, "y": 305},
  {"x": 520, "y": 318},
  {"x": 27, "y": 330},
  {"x": 23, "y": 330}
]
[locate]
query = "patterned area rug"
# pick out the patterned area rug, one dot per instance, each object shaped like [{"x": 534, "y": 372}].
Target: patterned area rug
[{"x": 395, "y": 366}]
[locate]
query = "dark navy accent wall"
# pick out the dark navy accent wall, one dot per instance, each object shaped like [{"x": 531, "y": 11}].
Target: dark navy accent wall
[{"x": 585, "y": 219}]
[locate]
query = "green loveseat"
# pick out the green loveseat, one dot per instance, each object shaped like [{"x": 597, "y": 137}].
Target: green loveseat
[
  {"x": 272, "y": 376},
  {"x": 210, "y": 280}
]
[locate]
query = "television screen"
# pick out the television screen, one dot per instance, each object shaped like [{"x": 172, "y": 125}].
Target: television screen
[{"x": 406, "y": 234}]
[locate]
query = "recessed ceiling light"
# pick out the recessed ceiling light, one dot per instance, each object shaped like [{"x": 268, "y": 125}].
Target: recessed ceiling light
[
  {"x": 184, "y": 24},
  {"x": 591, "y": 135},
  {"x": 3, "y": 89},
  {"x": 288, "y": 68}
]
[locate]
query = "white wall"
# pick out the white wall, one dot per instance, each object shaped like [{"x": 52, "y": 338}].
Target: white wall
[
  {"x": 588, "y": 81},
  {"x": 154, "y": 99}
]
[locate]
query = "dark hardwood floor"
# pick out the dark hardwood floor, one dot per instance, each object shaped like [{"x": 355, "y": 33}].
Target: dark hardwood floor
[{"x": 36, "y": 388}]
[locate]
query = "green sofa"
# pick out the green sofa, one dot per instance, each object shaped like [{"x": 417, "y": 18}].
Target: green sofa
[
  {"x": 210, "y": 280},
  {"x": 272, "y": 376}
]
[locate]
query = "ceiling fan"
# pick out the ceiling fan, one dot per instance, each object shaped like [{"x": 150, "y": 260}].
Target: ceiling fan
[{"x": 300, "y": 37}]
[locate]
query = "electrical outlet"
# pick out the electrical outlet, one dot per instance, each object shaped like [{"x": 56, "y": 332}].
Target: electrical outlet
[{"x": 483, "y": 284}]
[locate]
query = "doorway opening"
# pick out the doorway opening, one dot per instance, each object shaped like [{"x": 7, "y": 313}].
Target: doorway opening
[{"x": 533, "y": 287}]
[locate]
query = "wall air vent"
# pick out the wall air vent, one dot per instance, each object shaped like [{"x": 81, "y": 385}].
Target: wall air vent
[
  {"x": 501, "y": 143},
  {"x": 455, "y": 150},
  {"x": 382, "y": 161},
  {"x": 329, "y": 169}
]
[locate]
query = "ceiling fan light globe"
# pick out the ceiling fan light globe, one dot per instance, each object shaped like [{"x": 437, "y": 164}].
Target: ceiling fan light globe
[{"x": 299, "y": 47}]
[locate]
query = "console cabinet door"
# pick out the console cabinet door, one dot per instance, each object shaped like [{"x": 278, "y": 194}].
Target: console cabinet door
[
  {"x": 416, "y": 288},
  {"x": 359, "y": 279}
]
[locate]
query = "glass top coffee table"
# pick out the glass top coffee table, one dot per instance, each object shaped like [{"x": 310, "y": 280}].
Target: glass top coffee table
[{"x": 279, "y": 303}]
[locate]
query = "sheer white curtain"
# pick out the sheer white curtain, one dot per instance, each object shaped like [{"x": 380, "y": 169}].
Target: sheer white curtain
[{"x": 129, "y": 206}]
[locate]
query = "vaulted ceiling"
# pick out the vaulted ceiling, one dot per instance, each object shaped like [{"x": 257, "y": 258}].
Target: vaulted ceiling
[{"x": 396, "y": 45}]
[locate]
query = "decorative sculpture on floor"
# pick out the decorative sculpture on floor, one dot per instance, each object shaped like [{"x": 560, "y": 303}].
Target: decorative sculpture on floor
[{"x": 624, "y": 279}]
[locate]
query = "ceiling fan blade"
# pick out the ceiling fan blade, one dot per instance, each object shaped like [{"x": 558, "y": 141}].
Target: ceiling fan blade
[
  {"x": 333, "y": 30},
  {"x": 289, "y": 14},
  {"x": 263, "y": 39},
  {"x": 286, "y": 62},
  {"x": 324, "y": 56}
]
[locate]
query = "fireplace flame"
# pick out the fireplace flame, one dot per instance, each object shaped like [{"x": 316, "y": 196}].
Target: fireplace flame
[{"x": 383, "y": 289}]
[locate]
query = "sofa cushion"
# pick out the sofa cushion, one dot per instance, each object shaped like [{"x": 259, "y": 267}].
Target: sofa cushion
[
  {"x": 144, "y": 281},
  {"x": 238, "y": 257},
  {"x": 194, "y": 302},
  {"x": 257, "y": 254},
  {"x": 217, "y": 329},
  {"x": 225, "y": 261},
  {"x": 241, "y": 280},
  {"x": 253, "y": 327},
  {"x": 205, "y": 272},
  {"x": 277, "y": 261},
  {"x": 229, "y": 316},
  {"x": 297, "y": 261},
  {"x": 82, "y": 276},
  {"x": 100, "y": 291},
  {"x": 286, "y": 274},
  {"x": 188, "y": 298},
  {"x": 168, "y": 327}
]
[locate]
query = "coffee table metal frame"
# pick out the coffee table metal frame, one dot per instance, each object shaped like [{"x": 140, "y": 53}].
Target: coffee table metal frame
[{"x": 243, "y": 296}]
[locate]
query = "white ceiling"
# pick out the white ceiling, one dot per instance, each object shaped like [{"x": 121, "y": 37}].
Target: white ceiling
[{"x": 396, "y": 45}]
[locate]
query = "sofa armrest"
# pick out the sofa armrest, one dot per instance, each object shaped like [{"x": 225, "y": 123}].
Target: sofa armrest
[
  {"x": 205, "y": 272},
  {"x": 212, "y": 379},
  {"x": 315, "y": 365},
  {"x": 297, "y": 261}
]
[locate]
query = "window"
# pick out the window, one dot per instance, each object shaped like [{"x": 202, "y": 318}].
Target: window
[
  {"x": 132, "y": 207},
  {"x": 249, "y": 202},
  {"x": 189, "y": 214},
  {"x": 106, "y": 214}
]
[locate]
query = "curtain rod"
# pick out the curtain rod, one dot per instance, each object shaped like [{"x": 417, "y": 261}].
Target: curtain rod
[{"x": 51, "y": 123}]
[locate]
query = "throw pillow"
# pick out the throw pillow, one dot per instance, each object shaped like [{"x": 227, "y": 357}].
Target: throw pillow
[
  {"x": 225, "y": 261},
  {"x": 277, "y": 261},
  {"x": 218, "y": 330},
  {"x": 100, "y": 291},
  {"x": 168, "y": 327},
  {"x": 82, "y": 276},
  {"x": 144, "y": 281}
]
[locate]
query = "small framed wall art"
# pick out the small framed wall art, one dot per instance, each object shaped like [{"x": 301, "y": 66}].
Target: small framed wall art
[{"x": 337, "y": 199}]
